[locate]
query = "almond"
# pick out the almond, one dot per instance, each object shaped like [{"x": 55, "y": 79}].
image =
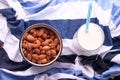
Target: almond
[
  {"x": 30, "y": 38},
  {"x": 35, "y": 56},
  {"x": 29, "y": 57},
  {"x": 53, "y": 52},
  {"x": 42, "y": 56},
  {"x": 44, "y": 61}
]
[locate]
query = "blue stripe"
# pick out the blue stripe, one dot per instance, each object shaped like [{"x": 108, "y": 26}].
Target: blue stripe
[
  {"x": 116, "y": 15},
  {"x": 64, "y": 70},
  {"x": 77, "y": 73},
  {"x": 34, "y": 9},
  {"x": 116, "y": 43},
  {"x": 6, "y": 63},
  {"x": 27, "y": 3},
  {"x": 67, "y": 59},
  {"x": 7, "y": 76},
  {"x": 114, "y": 69},
  {"x": 66, "y": 28}
]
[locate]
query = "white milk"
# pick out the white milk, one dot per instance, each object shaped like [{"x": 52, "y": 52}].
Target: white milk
[{"x": 88, "y": 41}]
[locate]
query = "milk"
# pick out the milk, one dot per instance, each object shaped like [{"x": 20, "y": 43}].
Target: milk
[{"x": 88, "y": 41}]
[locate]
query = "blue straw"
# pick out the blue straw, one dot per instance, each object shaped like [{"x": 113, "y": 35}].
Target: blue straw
[{"x": 88, "y": 15}]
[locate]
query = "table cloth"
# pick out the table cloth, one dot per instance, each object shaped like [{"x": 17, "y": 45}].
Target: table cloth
[{"x": 66, "y": 16}]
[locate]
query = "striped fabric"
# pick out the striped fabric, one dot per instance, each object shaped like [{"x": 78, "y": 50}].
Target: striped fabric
[{"x": 66, "y": 16}]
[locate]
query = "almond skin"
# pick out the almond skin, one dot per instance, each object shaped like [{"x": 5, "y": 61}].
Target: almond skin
[
  {"x": 44, "y": 61},
  {"x": 35, "y": 56},
  {"x": 29, "y": 57},
  {"x": 42, "y": 56},
  {"x": 30, "y": 38},
  {"x": 53, "y": 52},
  {"x": 45, "y": 48}
]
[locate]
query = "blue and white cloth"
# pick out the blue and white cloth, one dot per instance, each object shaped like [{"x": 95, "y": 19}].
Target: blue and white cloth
[{"x": 66, "y": 16}]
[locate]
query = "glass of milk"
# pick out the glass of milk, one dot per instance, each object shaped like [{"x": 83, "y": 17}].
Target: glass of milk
[{"x": 88, "y": 41}]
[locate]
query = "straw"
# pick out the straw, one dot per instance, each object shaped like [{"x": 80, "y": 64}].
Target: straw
[{"x": 88, "y": 15}]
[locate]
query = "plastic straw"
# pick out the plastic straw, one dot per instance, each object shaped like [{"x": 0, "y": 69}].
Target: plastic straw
[{"x": 88, "y": 15}]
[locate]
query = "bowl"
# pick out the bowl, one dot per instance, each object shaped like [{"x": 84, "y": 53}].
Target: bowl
[{"x": 40, "y": 44}]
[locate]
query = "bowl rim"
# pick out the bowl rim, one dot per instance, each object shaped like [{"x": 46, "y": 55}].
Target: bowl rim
[{"x": 42, "y": 25}]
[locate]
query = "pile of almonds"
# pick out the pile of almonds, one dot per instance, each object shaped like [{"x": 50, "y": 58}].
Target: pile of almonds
[{"x": 40, "y": 45}]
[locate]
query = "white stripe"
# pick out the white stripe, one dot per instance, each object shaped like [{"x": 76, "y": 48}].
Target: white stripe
[
  {"x": 69, "y": 10},
  {"x": 63, "y": 75},
  {"x": 3, "y": 4},
  {"x": 103, "y": 50},
  {"x": 114, "y": 30},
  {"x": 11, "y": 46},
  {"x": 3, "y": 28},
  {"x": 104, "y": 16},
  {"x": 57, "y": 76},
  {"x": 35, "y": 70},
  {"x": 20, "y": 13},
  {"x": 69, "y": 49},
  {"x": 11, "y": 43},
  {"x": 42, "y": 77},
  {"x": 116, "y": 59}
]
